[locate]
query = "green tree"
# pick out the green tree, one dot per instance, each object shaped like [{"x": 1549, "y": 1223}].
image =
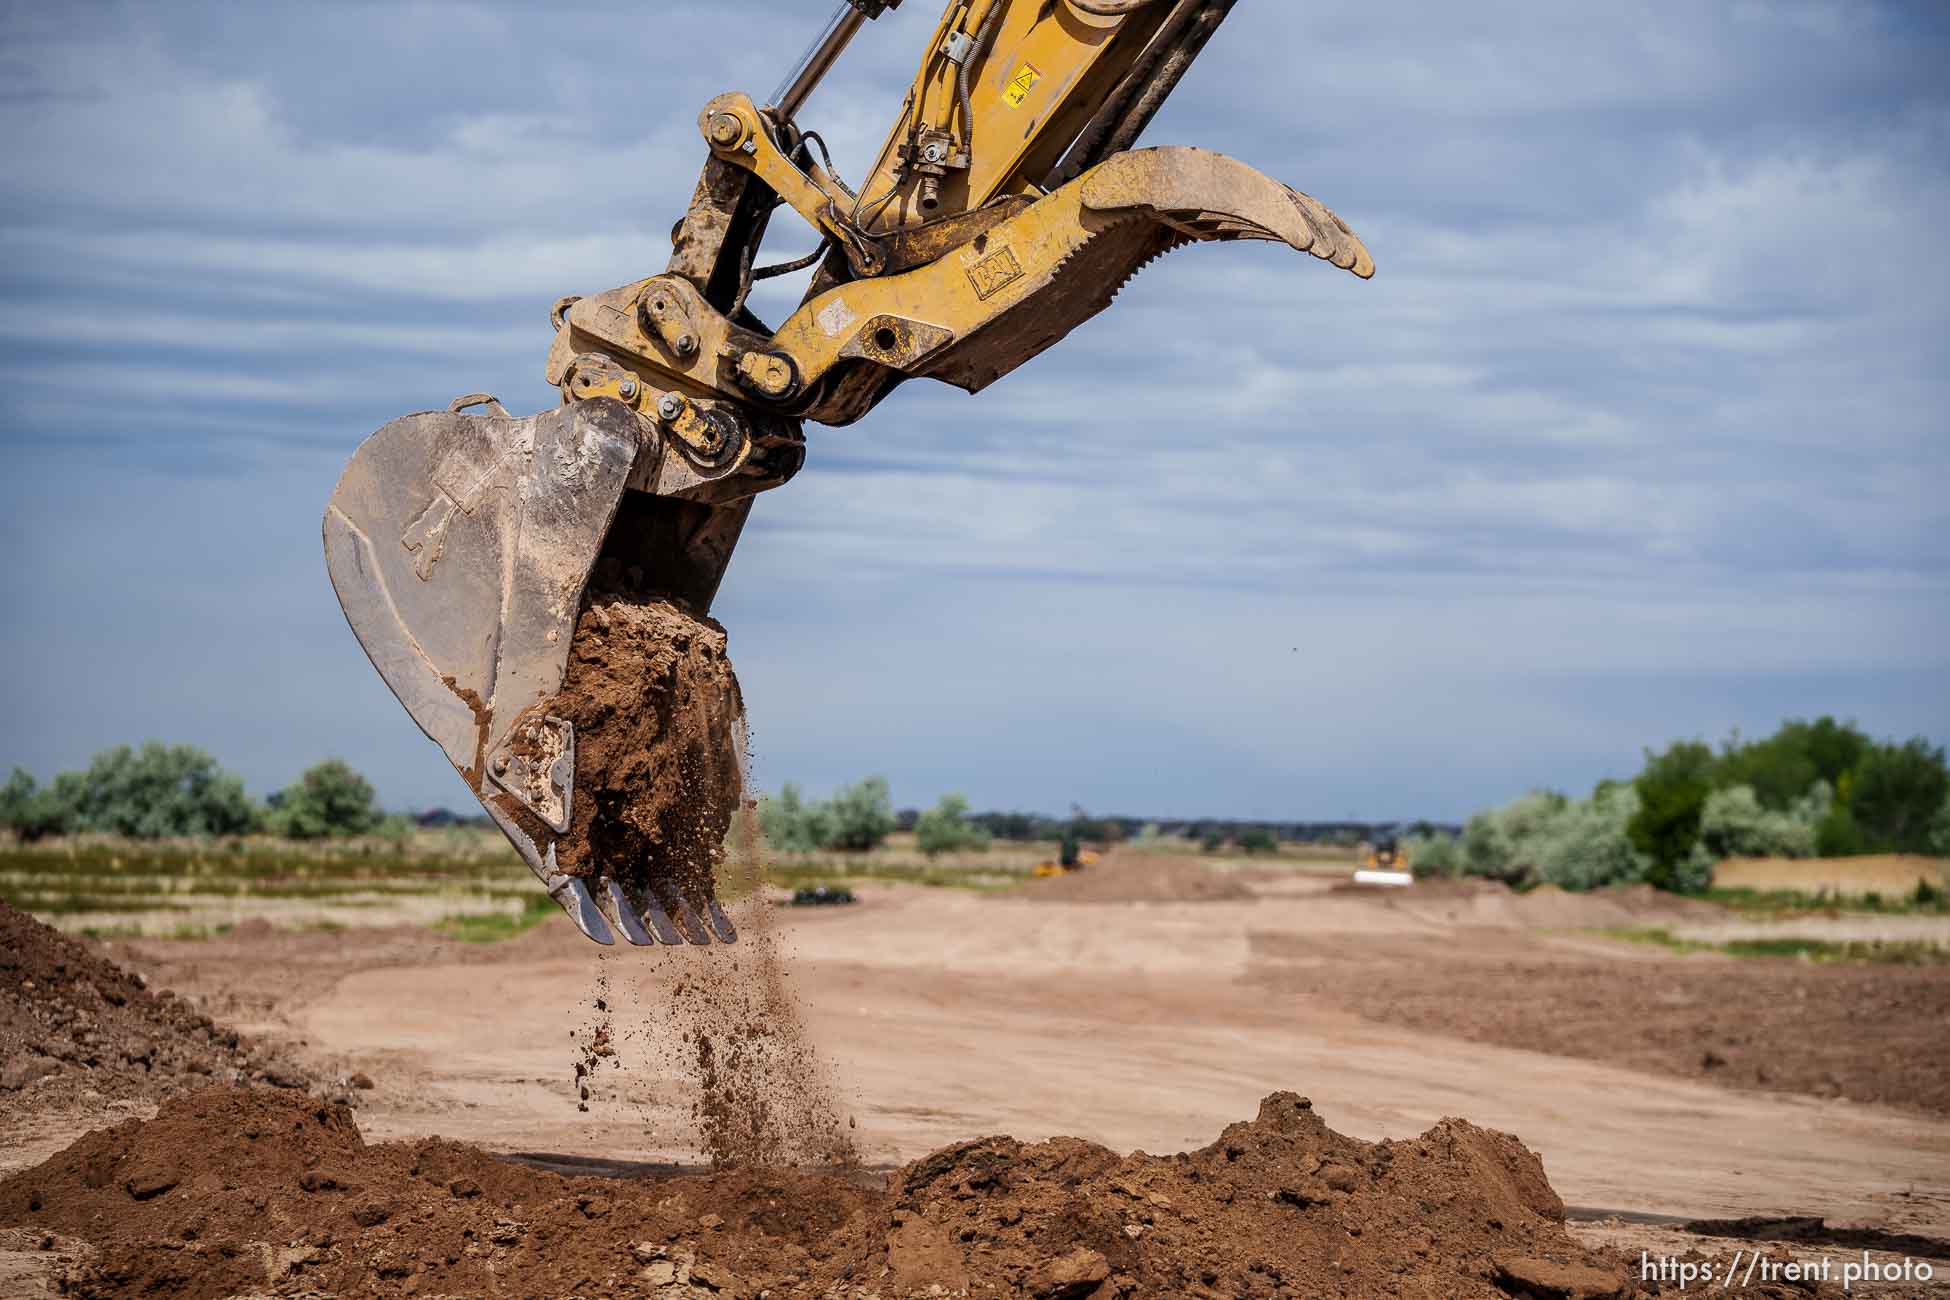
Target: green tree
[
  {"x": 945, "y": 828},
  {"x": 863, "y": 815},
  {"x": 155, "y": 791},
  {"x": 329, "y": 799},
  {"x": 792, "y": 825},
  {"x": 1781, "y": 767},
  {"x": 1896, "y": 792},
  {"x": 1672, "y": 790},
  {"x": 1940, "y": 830},
  {"x": 1836, "y": 748},
  {"x": 30, "y": 811},
  {"x": 1258, "y": 839}
]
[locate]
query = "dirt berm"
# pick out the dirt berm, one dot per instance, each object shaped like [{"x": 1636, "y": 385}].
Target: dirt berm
[
  {"x": 72, "y": 1020},
  {"x": 235, "y": 1190}
]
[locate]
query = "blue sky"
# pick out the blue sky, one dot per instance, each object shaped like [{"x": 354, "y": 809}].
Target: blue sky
[{"x": 1639, "y": 432}]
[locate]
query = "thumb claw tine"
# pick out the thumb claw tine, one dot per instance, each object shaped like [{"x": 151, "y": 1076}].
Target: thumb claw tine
[{"x": 574, "y": 897}]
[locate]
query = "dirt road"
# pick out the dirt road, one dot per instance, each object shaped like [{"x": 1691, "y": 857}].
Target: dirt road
[{"x": 1140, "y": 1026}]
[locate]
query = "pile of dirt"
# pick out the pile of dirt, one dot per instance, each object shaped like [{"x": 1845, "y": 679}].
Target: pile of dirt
[
  {"x": 70, "y": 1018},
  {"x": 1135, "y": 877},
  {"x": 234, "y": 1191},
  {"x": 1475, "y": 901},
  {"x": 659, "y": 743}
]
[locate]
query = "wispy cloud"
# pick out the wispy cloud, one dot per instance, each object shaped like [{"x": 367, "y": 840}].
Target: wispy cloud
[{"x": 1640, "y": 429}]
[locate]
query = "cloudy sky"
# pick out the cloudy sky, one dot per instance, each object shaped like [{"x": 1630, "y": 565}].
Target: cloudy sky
[{"x": 1639, "y": 432}]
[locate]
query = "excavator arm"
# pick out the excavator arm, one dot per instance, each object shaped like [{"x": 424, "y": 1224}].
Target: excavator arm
[{"x": 1006, "y": 206}]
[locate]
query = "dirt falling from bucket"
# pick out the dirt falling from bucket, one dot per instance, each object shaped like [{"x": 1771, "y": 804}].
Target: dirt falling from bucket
[
  {"x": 764, "y": 1094},
  {"x": 658, "y": 724},
  {"x": 660, "y": 784}
]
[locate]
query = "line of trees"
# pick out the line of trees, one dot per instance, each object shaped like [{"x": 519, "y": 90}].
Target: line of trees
[
  {"x": 158, "y": 791},
  {"x": 1812, "y": 789},
  {"x": 860, "y": 817}
]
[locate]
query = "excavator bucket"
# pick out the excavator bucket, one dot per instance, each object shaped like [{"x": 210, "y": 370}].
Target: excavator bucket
[{"x": 459, "y": 546}]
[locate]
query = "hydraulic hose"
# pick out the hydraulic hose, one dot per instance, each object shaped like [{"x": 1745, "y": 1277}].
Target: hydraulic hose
[{"x": 963, "y": 73}]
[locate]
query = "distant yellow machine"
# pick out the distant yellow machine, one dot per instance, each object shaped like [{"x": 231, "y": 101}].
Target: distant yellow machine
[
  {"x": 1384, "y": 862},
  {"x": 1384, "y": 855},
  {"x": 1088, "y": 857}
]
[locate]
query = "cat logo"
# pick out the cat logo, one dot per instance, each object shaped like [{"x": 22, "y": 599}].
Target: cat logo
[
  {"x": 994, "y": 273},
  {"x": 1020, "y": 85}
]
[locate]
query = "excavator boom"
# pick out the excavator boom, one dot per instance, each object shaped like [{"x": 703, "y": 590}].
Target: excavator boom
[{"x": 1006, "y": 206}]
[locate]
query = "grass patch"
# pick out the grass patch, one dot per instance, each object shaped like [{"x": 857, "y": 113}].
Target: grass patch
[
  {"x": 1924, "y": 900},
  {"x": 794, "y": 875},
  {"x": 182, "y": 932},
  {"x": 1876, "y": 952},
  {"x": 493, "y": 927}
]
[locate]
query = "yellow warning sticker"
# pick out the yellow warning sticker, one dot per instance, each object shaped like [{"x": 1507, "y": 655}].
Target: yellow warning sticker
[{"x": 1021, "y": 84}]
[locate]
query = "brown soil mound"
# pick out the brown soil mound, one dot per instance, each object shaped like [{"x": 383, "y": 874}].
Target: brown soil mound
[
  {"x": 1134, "y": 877},
  {"x": 230, "y": 1191},
  {"x": 1475, "y": 901},
  {"x": 73, "y": 1018},
  {"x": 659, "y": 726}
]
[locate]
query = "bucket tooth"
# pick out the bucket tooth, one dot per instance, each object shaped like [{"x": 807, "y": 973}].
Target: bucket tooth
[
  {"x": 659, "y": 920},
  {"x": 573, "y": 895},
  {"x": 687, "y": 918},
  {"x": 626, "y": 915},
  {"x": 720, "y": 923}
]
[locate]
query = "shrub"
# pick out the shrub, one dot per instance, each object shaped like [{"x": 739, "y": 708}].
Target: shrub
[
  {"x": 792, "y": 825},
  {"x": 1733, "y": 824},
  {"x": 153, "y": 792},
  {"x": 857, "y": 818},
  {"x": 1258, "y": 840},
  {"x": 1588, "y": 845},
  {"x": 945, "y": 828},
  {"x": 30, "y": 811},
  {"x": 863, "y": 815},
  {"x": 1496, "y": 843},
  {"x": 330, "y": 799},
  {"x": 1543, "y": 837},
  {"x": 1435, "y": 855},
  {"x": 1940, "y": 831}
]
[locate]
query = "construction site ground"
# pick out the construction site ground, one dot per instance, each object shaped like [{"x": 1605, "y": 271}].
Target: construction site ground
[{"x": 1659, "y": 1085}]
